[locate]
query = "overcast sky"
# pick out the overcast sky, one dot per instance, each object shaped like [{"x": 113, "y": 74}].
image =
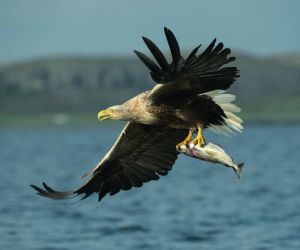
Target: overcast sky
[{"x": 38, "y": 28}]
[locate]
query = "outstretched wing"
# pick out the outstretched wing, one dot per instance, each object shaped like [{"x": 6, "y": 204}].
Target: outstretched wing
[
  {"x": 191, "y": 76},
  {"x": 140, "y": 154}
]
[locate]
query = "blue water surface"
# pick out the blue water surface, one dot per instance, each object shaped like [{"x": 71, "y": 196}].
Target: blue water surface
[{"x": 197, "y": 206}]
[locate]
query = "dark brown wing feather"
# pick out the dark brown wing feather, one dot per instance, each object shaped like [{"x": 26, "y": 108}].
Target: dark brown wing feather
[
  {"x": 140, "y": 154},
  {"x": 185, "y": 78},
  {"x": 201, "y": 108}
]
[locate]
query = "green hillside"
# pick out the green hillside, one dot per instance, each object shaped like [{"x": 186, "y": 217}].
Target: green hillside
[
  {"x": 269, "y": 88},
  {"x": 289, "y": 59}
]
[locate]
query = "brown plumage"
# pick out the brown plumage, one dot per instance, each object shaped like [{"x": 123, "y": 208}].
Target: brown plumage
[{"x": 189, "y": 94}]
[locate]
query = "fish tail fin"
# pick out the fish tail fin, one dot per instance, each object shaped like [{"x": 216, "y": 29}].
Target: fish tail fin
[{"x": 239, "y": 169}]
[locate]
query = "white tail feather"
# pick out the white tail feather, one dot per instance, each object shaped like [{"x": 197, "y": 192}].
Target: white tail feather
[
  {"x": 214, "y": 93},
  {"x": 233, "y": 117},
  {"x": 219, "y": 129},
  {"x": 230, "y": 107},
  {"x": 234, "y": 125},
  {"x": 224, "y": 98},
  {"x": 232, "y": 122},
  {"x": 230, "y": 131}
]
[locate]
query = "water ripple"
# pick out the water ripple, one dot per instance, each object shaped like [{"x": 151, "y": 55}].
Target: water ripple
[{"x": 197, "y": 206}]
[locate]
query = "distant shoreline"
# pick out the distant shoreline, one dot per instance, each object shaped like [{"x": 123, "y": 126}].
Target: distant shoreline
[
  {"x": 90, "y": 119},
  {"x": 71, "y": 90}
]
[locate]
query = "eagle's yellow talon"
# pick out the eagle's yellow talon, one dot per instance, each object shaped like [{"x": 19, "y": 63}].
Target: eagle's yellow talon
[
  {"x": 199, "y": 140},
  {"x": 186, "y": 141},
  {"x": 178, "y": 146}
]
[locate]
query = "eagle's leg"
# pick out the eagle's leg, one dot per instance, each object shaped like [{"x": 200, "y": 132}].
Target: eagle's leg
[
  {"x": 199, "y": 140},
  {"x": 187, "y": 140}
]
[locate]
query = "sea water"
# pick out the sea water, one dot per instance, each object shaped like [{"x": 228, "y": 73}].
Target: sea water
[{"x": 197, "y": 206}]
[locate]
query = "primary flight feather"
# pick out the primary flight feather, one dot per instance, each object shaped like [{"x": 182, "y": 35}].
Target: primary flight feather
[{"x": 188, "y": 96}]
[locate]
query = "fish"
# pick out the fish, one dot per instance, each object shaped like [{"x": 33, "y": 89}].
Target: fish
[{"x": 211, "y": 153}]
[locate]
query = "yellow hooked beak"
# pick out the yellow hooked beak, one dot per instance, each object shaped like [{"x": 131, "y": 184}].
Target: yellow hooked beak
[{"x": 104, "y": 115}]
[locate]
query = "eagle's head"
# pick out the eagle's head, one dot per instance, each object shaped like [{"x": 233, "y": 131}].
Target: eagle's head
[{"x": 117, "y": 112}]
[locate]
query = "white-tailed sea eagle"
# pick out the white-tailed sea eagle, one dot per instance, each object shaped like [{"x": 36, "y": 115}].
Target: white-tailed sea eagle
[{"x": 188, "y": 97}]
